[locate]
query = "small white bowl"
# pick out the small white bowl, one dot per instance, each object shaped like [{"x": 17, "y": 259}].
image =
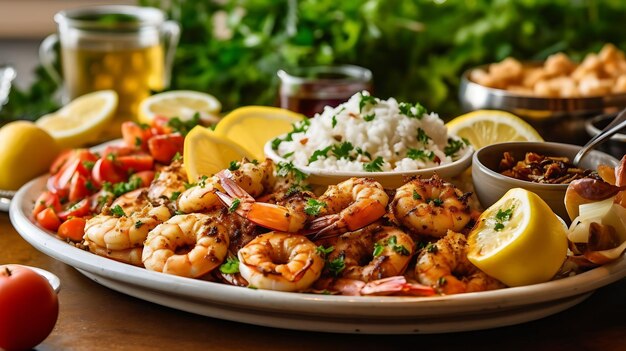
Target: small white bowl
[{"x": 388, "y": 179}]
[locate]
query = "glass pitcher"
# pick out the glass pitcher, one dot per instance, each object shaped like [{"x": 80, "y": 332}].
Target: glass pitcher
[{"x": 128, "y": 49}]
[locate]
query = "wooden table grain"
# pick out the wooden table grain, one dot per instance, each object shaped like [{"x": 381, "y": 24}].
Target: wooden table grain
[{"x": 93, "y": 317}]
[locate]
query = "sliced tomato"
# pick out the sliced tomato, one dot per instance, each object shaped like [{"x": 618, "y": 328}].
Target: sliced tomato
[
  {"x": 99, "y": 199},
  {"x": 114, "y": 151},
  {"x": 48, "y": 219},
  {"x": 146, "y": 177},
  {"x": 136, "y": 136},
  {"x": 135, "y": 163},
  {"x": 47, "y": 199},
  {"x": 69, "y": 156},
  {"x": 60, "y": 160},
  {"x": 164, "y": 147},
  {"x": 160, "y": 125},
  {"x": 78, "y": 188},
  {"x": 104, "y": 170},
  {"x": 79, "y": 209}
]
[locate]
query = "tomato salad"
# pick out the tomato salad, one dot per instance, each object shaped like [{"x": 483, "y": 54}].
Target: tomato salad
[{"x": 83, "y": 181}]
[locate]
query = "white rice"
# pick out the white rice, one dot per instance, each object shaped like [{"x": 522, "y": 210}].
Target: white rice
[{"x": 373, "y": 128}]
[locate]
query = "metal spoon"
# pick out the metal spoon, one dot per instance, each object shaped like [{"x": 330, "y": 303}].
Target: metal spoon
[{"x": 615, "y": 126}]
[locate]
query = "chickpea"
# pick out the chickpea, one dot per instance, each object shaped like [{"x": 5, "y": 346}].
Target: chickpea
[{"x": 559, "y": 64}]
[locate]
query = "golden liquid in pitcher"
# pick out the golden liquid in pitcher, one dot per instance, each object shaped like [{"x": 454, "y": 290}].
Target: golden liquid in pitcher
[{"x": 133, "y": 73}]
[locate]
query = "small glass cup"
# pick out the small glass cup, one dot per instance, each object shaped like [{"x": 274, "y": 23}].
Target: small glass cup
[
  {"x": 307, "y": 90},
  {"x": 129, "y": 49}
]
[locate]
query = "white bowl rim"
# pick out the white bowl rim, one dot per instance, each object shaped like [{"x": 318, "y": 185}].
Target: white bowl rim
[
  {"x": 270, "y": 153},
  {"x": 524, "y": 183}
]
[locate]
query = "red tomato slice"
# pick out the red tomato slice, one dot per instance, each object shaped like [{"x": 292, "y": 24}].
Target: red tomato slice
[
  {"x": 99, "y": 199},
  {"x": 114, "y": 151},
  {"x": 104, "y": 170},
  {"x": 79, "y": 209},
  {"x": 146, "y": 177},
  {"x": 160, "y": 125},
  {"x": 48, "y": 219},
  {"x": 60, "y": 161},
  {"x": 135, "y": 136},
  {"x": 78, "y": 188},
  {"x": 135, "y": 163},
  {"x": 45, "y": 200},
  {"x": 164, "y": 147}
]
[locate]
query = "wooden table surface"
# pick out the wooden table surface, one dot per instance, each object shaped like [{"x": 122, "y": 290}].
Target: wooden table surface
[{"x": 93, "y": 317}]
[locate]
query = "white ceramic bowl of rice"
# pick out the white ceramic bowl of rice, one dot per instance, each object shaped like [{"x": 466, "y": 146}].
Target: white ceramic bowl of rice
[{"x": 371, "y": 137}]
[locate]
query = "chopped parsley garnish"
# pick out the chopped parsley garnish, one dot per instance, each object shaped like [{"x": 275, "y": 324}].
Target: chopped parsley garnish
[
  {"x": 313, "y": 207},
  {"x": 202, "y": 182},
  {"x": 233, "y": 166},
  {"x": 179, "y": 212},
  {"x": 369, "y": 118},
  {"x": 437, "y": 202},
  {"x": 289, "y": 154},
  {"x": 138, "y": 141},
  {"x": 422, "y": 137},
  {"x": 415, "y": 154},
  {"x": 364, "y": 153},
  {"x": 431, "y": 248},
  {"x": 366, "y": 100},
  {"x": 295, "y": 188},
  {"x": 284, "y": 169},
  {"x": 393, "y": 242},
  {"x": 189, "y": 185},
  {"x": 183, "y": 127},
  {"x": 342, "y": 150},
  {"x": 416, "y": 195},
  {"x": 233, "y": 206},
  {"x": 123, "y": 187},
  {"x": 378, "y": 249},
  {"x": 175, "y": 195},
  {"x": 454, "y": 146},
  {"x": 319, "y": 153},
  {"x": 336, "y": 266},
  {"x": 88, "y": 165},
  {"x": 89, "y": 185},
  {"x": 138, "y": 224},
  {"x": 441, "y": 281},
  {"x": 118, "y": 211},
  {"x": 324, "y": 251},
  {"x": 231, "y": 266},
  {"x": 177, "y": 157},
  {"x": 333, "y": 121},
  {"x": 374, "y": 166},
  {"x": 297, "y": 127},
  {"x": 412, "y": 111},
  {"x": 503, "y": 216}
]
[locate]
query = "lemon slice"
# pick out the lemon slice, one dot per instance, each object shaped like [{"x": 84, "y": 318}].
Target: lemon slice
[
  {"x": 253, "y": 126},
  {"x": 82, "y": 120},
  {"x": 27, "y": 151},
  {"x": 183, "y": 104},
  {"x": 486, "y": 127},
  {"x": 518, "y": 240},
  {"x": 206, "y": 153}
]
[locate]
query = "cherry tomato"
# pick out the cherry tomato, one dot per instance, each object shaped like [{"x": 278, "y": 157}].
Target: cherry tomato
[
  {"x": 73, "y": 229},
  {"x": 135, "y": 136},
  {"x": 160, "y": 125},
  {"x": 135, "y": 163},
  {"x": 164, "y": 147},
  {"x": 104, "y": 170},
  {"x": 48, "y": 219},
  {"x": 67, "y": 156},
  {"x": 29, "y": 308},
  {"x": 45, "y": 200},
  {"x": 79, "y": 209}
]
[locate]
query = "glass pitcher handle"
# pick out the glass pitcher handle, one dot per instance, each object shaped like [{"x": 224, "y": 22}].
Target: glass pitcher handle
[
  {"x": 47, "y": 57},
  {"x": 171, "y": 35}
]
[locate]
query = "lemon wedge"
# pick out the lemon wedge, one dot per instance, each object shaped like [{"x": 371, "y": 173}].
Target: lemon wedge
[
  {"x": 486, "y": 127},
  {"x": 82, "y": 120},
  {"x": 206, "y": 153},
  {"x": 27, "y": 151},
  {"x": 253, "y": 126},
  {"x": 518, "y": 240},
  {"x": 183, "y": 104}
]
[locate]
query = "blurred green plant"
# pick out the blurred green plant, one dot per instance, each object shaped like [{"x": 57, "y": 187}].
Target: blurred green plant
[{"x": 417, "y": 49}]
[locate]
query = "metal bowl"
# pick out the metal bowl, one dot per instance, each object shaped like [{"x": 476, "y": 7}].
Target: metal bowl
[
  {"x": 556, "y": 119},
  {"x": 615, "y": 146}
]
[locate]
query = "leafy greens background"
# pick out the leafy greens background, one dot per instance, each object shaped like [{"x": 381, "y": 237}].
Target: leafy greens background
[{"x": 417, "y": 49}]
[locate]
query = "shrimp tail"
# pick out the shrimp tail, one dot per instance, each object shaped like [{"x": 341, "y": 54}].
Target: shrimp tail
[{"x": 396, "y": 285}]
